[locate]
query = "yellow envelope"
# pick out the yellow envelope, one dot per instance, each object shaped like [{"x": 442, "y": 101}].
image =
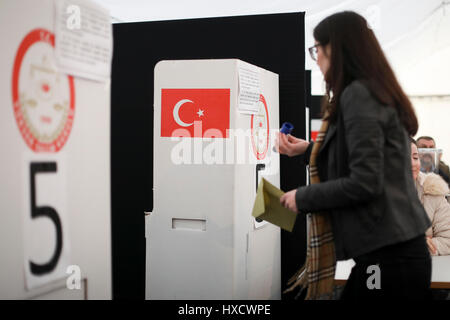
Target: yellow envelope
[{"x": 267, "y": 206}]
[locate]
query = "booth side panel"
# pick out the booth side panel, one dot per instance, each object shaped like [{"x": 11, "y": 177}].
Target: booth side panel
[{"x": 262, "y": 268}]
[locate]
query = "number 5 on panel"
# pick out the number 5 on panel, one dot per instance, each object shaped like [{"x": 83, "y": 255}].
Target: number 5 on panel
[
  {"x": 48, "y": 212},
  {"x": 45, "y": 230}
]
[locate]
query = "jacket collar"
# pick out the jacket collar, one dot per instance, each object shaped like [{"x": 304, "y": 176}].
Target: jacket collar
[
  {"x": 432, "y": 184},
  {"x": 421, "y": 178}
]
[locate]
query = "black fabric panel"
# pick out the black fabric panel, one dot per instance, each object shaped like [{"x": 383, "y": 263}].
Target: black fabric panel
[
  {"x": 293, "y": 244},
  {"x": 316, "y": 106},
  {"x": 274, "y": 42}
]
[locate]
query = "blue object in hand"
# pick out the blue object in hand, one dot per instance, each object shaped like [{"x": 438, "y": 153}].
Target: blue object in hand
[{"x": 287, "y": 128}]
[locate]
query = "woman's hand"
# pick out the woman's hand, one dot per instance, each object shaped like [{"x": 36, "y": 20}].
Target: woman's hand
[
  {"x": 290, "y": 145},
  {"x": 431, "y": 246},
  {"x": 287, "y": 200}
]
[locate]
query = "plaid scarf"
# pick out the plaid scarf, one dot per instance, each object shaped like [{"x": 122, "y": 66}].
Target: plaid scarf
[{"x": 317, "y": 274}]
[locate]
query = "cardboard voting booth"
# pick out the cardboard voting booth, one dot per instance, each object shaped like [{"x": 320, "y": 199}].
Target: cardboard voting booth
[
  {"x": 213, "y": 137},
  {"x": 54, "y": 172}
]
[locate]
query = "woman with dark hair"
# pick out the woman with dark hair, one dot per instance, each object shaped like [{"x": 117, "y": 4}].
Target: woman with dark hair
[{"x": 361, "y": 202}]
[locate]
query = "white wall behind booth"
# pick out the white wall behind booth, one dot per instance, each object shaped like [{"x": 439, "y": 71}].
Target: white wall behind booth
[
  {"x": 414, "y": 35},
  {"x": 433, "y": 114}
]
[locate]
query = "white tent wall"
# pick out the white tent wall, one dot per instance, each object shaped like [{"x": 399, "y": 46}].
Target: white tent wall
[
  {"x": 420, "y": 57},
  {"x": 413, "y": 33},
  {"x": 434, "y": 117}
]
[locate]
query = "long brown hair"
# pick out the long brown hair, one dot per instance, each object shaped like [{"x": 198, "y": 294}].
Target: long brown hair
[{"x": 357, "y": 55}]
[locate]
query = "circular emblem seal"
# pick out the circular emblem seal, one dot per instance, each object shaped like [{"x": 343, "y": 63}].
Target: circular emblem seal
[
  {"x": 260, "y": 129},
  {"x": 43, "y": 99}
]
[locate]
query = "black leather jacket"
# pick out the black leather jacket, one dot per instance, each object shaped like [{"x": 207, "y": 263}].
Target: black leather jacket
[{"x": 364, "y": 166}]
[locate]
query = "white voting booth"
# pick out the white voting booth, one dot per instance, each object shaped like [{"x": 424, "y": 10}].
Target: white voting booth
[
  {"x": 55, "y": 164},
  {"x": 212, "y": 143}
]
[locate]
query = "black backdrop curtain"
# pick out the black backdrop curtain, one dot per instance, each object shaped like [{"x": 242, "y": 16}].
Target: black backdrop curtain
[{"x": 274, "y": 42}]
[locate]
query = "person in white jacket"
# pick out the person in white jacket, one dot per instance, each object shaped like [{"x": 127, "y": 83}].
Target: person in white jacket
[{"x": 432, "y": 189}]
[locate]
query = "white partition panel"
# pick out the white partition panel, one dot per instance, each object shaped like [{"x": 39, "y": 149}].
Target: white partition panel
[{"x": 54, "y": 166}]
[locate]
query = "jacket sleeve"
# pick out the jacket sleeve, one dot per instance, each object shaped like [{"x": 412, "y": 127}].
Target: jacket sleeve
[
  {"x": 441, "y": 226},
  {"x": 364, "y": 138},
  {"x": 304, "y": 158}
]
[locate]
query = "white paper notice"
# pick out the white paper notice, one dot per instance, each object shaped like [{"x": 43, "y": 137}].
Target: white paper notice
[
  {"x": 249, "y": 88},
  {"x": 83, "y": 39}
]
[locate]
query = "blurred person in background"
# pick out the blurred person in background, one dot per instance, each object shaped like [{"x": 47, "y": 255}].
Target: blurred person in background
[
  {"x": 431, "y": 189},
  {"x": 428, "y": 142},
  {"x": 427, "y": 163}
]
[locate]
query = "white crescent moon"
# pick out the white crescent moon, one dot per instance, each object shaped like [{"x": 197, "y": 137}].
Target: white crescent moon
[{"x": 176, "y": 110}]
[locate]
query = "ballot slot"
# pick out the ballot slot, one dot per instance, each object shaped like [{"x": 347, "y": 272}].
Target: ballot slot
[
  {"x": 189, "y": 224},
  {"x": 259, "y": 167}
]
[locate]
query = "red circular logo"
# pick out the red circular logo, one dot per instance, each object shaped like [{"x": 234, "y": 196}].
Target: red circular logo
[
  {"x": 43, "y": 99},
  {"x": 260, "y": 130}
]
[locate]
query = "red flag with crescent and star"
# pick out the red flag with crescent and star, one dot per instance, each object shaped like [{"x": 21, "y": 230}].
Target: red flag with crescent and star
[{"x": 198, "y": 111}]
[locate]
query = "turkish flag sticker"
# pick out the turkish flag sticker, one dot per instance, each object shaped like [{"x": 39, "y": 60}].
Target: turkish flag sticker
[{"x": 198, "y": 111}]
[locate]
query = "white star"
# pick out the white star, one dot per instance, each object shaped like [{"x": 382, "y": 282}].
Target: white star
[{"x": 200, "y": 112}]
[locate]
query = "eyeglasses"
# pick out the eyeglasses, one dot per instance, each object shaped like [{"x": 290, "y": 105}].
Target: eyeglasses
[{"x": 313, "y": 51}]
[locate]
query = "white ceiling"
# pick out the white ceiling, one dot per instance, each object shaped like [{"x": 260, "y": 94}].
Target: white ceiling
[{"x": 415, "y": 34}]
